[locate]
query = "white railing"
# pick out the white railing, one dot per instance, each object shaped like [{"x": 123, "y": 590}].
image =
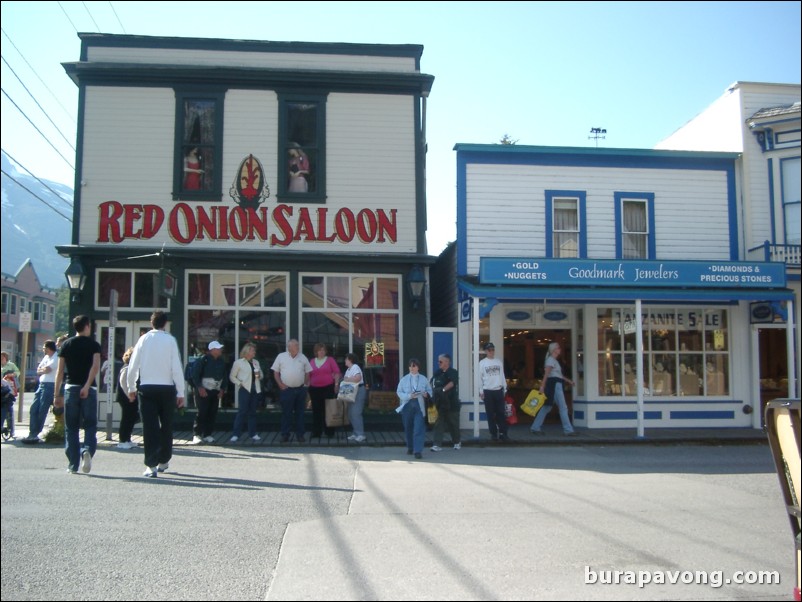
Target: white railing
[{"x": 790, "y": 255}]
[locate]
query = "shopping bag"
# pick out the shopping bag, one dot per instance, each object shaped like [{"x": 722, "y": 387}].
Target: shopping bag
[
  {"x": 533, "y": 402},
  {"x": 431, "y": 414},
  {"x": 510, "y": 411},
  {"x": 336, "y": 414},
  {"x": 347, "y": 392}
]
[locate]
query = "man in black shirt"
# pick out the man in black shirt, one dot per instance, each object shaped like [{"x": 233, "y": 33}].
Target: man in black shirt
[{"x": 79, "y": 363}]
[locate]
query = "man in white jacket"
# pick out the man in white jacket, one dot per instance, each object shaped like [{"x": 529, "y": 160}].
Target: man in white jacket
[{"x": 492, "y": 389}]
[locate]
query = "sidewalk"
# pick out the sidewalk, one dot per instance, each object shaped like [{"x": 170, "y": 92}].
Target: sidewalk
[{"x": 519, "y": 435}]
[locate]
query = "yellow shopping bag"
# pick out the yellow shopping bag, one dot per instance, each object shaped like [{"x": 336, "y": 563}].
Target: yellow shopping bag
[{"x": 534, "y": 401}]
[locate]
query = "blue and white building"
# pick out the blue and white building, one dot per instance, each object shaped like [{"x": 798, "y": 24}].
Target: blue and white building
[{"x": 634, "y": 260}]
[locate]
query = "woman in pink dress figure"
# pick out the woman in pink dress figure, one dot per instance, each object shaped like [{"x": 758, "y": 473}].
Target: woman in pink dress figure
[
  {"x": 192, "y": 170},
  {"x": 298, "y": 166}
]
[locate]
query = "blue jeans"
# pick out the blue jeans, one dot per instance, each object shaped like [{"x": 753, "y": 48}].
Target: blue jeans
[
  {"x": 79, "y": 411},
  {"x": 42, "y": 400},
  {"x": 559, "y": 399},
  {"x": 414, "y": 426},
  {"x": 246, "y": 412},
  {"x": 293, "y": 404},
  {"x": 355, "y": 411}
]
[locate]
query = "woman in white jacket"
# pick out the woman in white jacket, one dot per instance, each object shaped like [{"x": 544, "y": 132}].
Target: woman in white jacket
[{"x": 246, "y": 376}]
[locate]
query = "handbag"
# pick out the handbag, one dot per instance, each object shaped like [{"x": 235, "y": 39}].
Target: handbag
[
  {"x": 347, "y": 392},
  {"x": 533, "y": 402},
  {"x": 431, "y": 414}
]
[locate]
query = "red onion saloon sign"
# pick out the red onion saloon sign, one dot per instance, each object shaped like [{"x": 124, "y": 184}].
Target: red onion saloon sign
[{"x": 249, "y": 221}]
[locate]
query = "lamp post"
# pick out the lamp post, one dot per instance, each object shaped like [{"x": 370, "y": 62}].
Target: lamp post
[
  {"x": 416, "y": 281},
  {"x": 76, "y": 279}
]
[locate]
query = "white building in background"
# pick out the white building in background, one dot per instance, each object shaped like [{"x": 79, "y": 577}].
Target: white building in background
[
  {"x": 761, "y": 121},
  {"x": 633, "y": 260}
]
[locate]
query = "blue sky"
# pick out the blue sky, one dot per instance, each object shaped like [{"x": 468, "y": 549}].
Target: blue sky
[{"x": 544, "y": 73}]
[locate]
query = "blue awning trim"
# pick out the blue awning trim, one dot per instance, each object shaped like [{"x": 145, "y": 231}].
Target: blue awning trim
[{"x": 503, "y": 293}]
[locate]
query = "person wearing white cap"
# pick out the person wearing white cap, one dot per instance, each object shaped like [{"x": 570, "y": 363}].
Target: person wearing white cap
[
  {"x": 492, "y": 389},
  {"x": 209, "y": 379}
]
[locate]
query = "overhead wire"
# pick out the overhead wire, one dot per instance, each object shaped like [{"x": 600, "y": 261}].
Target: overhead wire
[
  {"x": 21, "y": 185},
  {"x": 58, "y": 194},
  {"x": 37, "y": 103},
  {"x": 37, "y": 129},
  {"x": 56, "y": 98}
]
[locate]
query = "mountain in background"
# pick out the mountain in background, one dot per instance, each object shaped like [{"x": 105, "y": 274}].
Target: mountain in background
[{"x": 31, "y": 229}]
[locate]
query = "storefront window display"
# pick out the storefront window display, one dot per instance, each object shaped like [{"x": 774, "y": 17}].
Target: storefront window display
[
  {"x": 349, "y": 314},
  {"x": 686, "y": 352},
  {"x": 235, "y": 308}
]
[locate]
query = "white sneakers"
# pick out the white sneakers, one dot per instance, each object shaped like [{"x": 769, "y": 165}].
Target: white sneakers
[
  {"x": 163, "y": 466},
  {"x": 358, "y": 438},
  {"x": 256, "y": 438},
  {"x": 150, "y": 472},
  {"x": 458, "y": 446},
  {"x": 86, "y": 461},
  {"x": 436, "y": 448},
  {"x": 209, "y": 439},
  {"x": 196, "y": 440},
  {"x": 234, "y": 439},
  {"x": 126, "y": 445}
]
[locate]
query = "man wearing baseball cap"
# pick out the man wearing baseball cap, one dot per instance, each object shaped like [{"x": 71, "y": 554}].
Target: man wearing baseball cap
[
  {"x": 492, "y": 389},
  {"x": 209, "y": 380}
]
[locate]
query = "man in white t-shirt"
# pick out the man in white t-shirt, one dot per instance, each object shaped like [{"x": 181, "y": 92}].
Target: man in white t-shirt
[
  {"x": 291, "y": 370},
  {"x": 43, "y": 398},
  {"x": 492, "y": 389}
]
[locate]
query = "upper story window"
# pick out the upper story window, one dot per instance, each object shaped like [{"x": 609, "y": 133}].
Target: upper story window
[
  {"x": 634, "y": 225},
  {"x": 790, "y": 174},
  {"x": 13, "y": 310},
  {"x": 5, "y": 303},
  {"x": 36, "y": 314},
  {"x": 199, "y": 148},
  {"x": 565, "y": 224},
  {"x": 302, "y": 127}
]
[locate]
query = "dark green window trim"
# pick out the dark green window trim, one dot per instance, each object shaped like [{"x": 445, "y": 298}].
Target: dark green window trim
[
  {"x": 314, "y": 146},
  {"x": 215, "y": 148}
]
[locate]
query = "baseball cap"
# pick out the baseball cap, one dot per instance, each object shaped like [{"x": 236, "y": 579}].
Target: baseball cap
[
  {"x": 489, "y": 346},
  {"x": 214, "y": 345}
]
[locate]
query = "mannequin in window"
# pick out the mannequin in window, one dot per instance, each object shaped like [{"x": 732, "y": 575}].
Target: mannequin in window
[
  {"x": 630, "y": 385},
  {"x": 192, "y": 170},
  {"x": 714, "y": 380},
  {"x": 688, "y": 381},
  {"x": 298, "y": 167},
  {"x": 662, "y": 380}
]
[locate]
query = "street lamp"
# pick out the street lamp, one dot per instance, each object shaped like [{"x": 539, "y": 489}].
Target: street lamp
[
  {"x": 76, "y": 279},
  {"x": 416, "y": 280}
]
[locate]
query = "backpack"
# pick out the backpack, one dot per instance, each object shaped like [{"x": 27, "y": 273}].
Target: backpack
[{"x": 194, "y": 370}]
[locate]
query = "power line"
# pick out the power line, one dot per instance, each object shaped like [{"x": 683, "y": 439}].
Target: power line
[
  {"x": 37, "y": 103},
  {"x": 37, "y": 129},
  {"x": 68, "y": 17},
  {"x": 13, "y": 179},
  {"x": 118, "y": 18},
  {"x": 66, "y": 112},
  {"x": 58, "y": 194},
  {"x": 91, "y": 17}
]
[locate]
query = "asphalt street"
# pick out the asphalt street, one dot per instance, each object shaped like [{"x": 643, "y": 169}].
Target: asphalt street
[{"x": 369, "y": 523}]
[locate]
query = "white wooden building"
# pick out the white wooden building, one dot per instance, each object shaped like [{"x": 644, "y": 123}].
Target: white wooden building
[
  {"x": 259, "y": 191},
  {"x": 592, "y": 247}
]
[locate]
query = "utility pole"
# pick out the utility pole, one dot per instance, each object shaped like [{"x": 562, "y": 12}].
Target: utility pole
[{"x": 597, "y": 133}]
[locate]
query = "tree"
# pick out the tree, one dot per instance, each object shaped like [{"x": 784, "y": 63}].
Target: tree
[
  {"x": 63, "y": 318},
  {"x": 507, "y": 140}
]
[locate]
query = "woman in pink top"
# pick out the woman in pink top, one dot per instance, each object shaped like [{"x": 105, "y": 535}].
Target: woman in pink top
[{"x": 324, "y": 382}]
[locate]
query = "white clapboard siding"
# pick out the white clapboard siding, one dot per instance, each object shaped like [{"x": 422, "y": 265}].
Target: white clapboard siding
[
  {"x": 506, "y": 209},
  {"x": 370, "y": 155},
  {"x": 756, "y": 169},
  {"x": 127, "y": 150},
  {"x": 263, "y": 60}
]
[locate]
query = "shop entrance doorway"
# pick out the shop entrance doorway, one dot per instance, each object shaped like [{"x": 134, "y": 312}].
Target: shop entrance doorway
[
  {"x": 773, "y": 365},
  {"x": 525, "y": 353}
]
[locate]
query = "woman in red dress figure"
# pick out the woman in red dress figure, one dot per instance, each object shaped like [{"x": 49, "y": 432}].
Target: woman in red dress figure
[{"x": 192, "y": 170}]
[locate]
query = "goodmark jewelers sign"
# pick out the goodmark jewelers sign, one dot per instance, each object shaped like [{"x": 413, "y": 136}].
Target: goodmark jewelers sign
[{"x": 588, "y": 272}]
